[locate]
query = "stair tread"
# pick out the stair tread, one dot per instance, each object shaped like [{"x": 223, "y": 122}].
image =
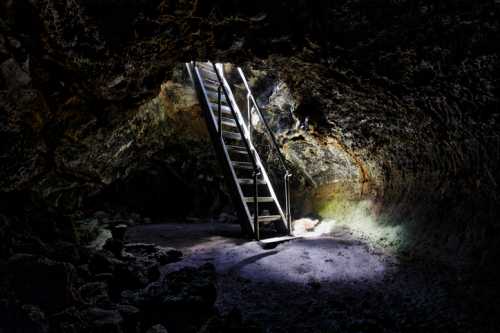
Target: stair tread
[
  {"x": 209, "y": 86},
  {"x": 243, "y": 165},
  {"x": 215, "y": 94},
  {"x": 235, "y": 147},
  {"x": 259, "y": 199},
  {"x": 208, "y": 73},
  {"x": 241, "y": 151},
  {"x": 249, "y": 181},
  {"x": 207, "y": 80},
  {"x": 277, "y": 240},
  {"x": 204, "y": 64},
  {"x": 269, "y": 218},
  {"x": 227, "y": 121},
  {"x": 232, "y": 135},
  {"x": 224, "y": 108}
]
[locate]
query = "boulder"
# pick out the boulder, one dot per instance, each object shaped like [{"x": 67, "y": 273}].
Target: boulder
[
  {"x": 104, "y": 262},
  {"x": 183, "y": 299},
  {"x": 191, "y": 289},
  {"x": 94, "y": 292},
  {"x": 43, "y": 282},
  {"x": 103, "y": 321},
  {"x": 115, "y": 246},
  {"x": 4, "y": 236},
  {"x": 118, "y": 232},
  {"x": 33, "y": 320},
  {"x": 65, "y": 251},
  {"x": 25, "y": 318},
  {"x": 14, "y": 75},
  {"x": 161, "y": 254},
  {"x": 131, "y": 317},
  {"x": 157, "y": 329}
]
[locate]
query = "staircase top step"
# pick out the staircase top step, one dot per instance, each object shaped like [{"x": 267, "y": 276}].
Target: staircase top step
[
  {"x": 259, "y": 199},
  {"x": 209, "y": 73},
  {"x": 249, "y": 181},
  {"x": 204, "y": 64}
]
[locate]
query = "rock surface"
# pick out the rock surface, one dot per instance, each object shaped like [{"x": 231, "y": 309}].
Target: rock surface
[{"x": 387, "y": 112}]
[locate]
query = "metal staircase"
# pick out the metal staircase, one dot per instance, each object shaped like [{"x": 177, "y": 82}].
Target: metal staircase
[{"x": 231, "y": 132}]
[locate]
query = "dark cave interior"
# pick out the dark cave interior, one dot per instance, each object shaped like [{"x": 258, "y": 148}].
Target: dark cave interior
[{"x": 115, "y": 215}]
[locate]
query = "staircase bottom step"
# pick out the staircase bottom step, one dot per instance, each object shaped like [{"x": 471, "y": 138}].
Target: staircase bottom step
[
  {"x": 270, "y": 243},
  {"x": 268, "y": 218}
]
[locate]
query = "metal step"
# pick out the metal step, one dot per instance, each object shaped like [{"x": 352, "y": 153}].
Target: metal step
[
  {"x": 232, "y": 135},
  {"x": 237, "y": 150},
  {"x": 215, "y": 96},
  {"x": 242, "y": 165},
  {"x": 224, "y": 108},
  {"x": 207, "y": 80},
  {"x": 267, "y": 218},
  {"x": 249, "y": 181},
  {"x": 259, "y": 199},
  {"x": 209, "y": 86},
  {"x": 210, "y": 74},
  {"x": 207, "y": 65},
  {"x": 227, "y": 121}
]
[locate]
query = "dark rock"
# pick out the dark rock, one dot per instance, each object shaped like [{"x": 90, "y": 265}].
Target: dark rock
[
  {"x": 157, "y": 329},
  {"x": 94, "y": 292},
  {"x": 231, "y": 322},
  {"x": 66, "y": 251},
  {"x": 14, "y": 75},
  {"x": 119, "y": 231},
  {"x": 104, "y": 262},
  {"x": 43, "y": 282},
  {"x": 22, "y": 318},
  {"x": 131, "y": 317},
  {"x": 185, "y": 298},
  {"x": 104, "y": 277},
  {"x": 191, "y": 288},
  {"x": 135, "y": 275},
  {"x": 115, "y": 246},
  {"x": 33, "y": 320},
  {"x": 167, "y": 256},
  {"x": 163, "y": 255},
  {"x": 148, "y": 297},
  {"x": 103, "y": 321},
  {"x": 87, "y": 230},
  {"x": 68, "y": 320},
  {"x": 5, "y": 237}
]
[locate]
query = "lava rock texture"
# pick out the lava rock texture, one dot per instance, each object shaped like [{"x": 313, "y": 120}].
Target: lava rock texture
[{"x": 389, "y": 107}]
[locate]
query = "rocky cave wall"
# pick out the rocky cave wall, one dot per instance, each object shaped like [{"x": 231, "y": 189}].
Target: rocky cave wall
[{"x": 400, "y": 98}]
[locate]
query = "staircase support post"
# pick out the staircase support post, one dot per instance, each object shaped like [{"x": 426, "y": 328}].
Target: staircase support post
[
  {"x": 256, "y": 205},
  {"x": 219, "y": 92},
  {"x": 287, "y": 202},
  {"x": 249, "y": 118}
]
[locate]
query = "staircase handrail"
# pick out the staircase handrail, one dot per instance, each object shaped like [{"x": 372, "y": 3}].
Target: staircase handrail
[{"x": 261, "y": 116}]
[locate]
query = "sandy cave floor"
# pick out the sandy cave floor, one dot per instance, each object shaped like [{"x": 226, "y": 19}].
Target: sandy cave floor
[{"x": 327, "y": 283}]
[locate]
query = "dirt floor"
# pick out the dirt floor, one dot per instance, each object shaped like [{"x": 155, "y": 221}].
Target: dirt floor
[{"x": 328, "y": 283}]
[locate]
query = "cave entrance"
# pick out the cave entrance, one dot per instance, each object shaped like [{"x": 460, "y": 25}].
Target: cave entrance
[{"x": 237, "y": 129}]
